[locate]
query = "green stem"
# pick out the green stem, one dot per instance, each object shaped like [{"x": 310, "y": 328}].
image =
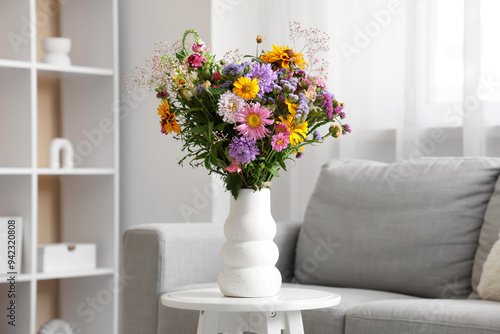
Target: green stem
[{"x": 196, "y": 38}]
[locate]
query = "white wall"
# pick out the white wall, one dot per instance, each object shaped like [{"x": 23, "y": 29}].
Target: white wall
[
  {"x": 153, "y": 187},
  {"x": 291, "y": 191}
]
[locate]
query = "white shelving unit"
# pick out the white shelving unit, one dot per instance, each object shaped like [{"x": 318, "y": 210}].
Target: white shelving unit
[{"x": 89, "y": 193}]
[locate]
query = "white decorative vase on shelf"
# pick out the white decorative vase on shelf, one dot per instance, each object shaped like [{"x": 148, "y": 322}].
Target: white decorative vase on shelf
[
  {"x": 56, "y": 51},
  {"x": 249, "y": 254}
]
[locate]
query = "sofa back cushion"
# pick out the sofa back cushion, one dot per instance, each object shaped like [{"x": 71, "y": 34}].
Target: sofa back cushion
[{"x": 410, "y": 227}]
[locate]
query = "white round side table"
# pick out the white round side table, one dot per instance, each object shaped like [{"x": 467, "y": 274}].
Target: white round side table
[{"x": 220, "y": 314}]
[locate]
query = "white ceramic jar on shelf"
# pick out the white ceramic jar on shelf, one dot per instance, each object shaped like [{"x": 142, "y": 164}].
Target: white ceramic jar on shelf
[{"x": 56, "y": 51}]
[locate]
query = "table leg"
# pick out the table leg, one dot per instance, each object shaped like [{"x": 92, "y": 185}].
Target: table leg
[
  {"x": 208, "y": 322},
  {"x": 273, "y": 323},
  {"x": 293, "y": 323}
]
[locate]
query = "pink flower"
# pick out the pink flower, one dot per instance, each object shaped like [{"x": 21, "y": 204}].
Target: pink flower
[
  {"x": 254, "y": 119},
  {"x": 233, "y": 167},
  {"x": 311, "y": 93},
  {"x": 197, "y": 47},
  {"x": 280, "y": 141},
  {"x": 281, "y": 128},
  {"x": 318, "y": 81},
  {"x": 196, "y": 60}
]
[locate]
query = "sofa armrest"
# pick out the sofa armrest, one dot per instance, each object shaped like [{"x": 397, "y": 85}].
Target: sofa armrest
[{"x": 159, "y": 257}]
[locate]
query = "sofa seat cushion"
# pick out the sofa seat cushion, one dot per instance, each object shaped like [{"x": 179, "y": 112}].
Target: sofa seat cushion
[
  {"x": 331, "y": 320},
  {"x": 430, "y": 316}
]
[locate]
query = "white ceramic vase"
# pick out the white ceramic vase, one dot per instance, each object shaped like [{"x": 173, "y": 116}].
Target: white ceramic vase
[
  {"x": 249, "y": 254},
  {"x": 56, "y": 51}
]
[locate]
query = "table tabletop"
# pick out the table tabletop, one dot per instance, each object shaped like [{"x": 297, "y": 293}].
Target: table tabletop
[{"x": 287, "y": 299}]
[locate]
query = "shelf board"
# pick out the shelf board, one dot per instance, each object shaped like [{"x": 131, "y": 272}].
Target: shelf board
[
  {"x": 75, "y": 273},
  {"x": 14, "y": 63},
  {"x": 75, "y": 171},
  {"x": 19, "y": 278},
  {"x": 15, "y": 171},
  {"x": 50, "y": 69}
]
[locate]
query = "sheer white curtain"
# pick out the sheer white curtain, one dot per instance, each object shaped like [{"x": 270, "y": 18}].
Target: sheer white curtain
[{"x": 419, "y": 78}]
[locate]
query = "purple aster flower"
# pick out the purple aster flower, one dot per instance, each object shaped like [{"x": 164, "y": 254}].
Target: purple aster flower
[
  {"x": 233, "y": 69},
  {"x": 342, "y": 115},
  {"x": 303, "y": 107},
  {"x": 226, "y": 84},
  {"x": 243, "y": 149},
  {"x": 264, "y": 75},
  {"x": 317, "y": 135}
]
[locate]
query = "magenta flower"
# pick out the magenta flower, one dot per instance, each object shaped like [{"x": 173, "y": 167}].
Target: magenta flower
[
  {"x": 197, "y": 47},
  {"x": 281, "y": 128},
  {"x": 196, "y": 60},
  {"x": 280, "y": 141},
  {"x": 254, "y": 119},
  {"x": 234, "y": 167}
]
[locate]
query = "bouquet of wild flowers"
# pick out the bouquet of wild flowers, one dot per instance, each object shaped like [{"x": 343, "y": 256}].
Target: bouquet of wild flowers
[{"x": 243, "y": 120}]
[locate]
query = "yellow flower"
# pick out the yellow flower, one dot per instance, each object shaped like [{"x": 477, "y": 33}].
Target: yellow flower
[
  {"x": 168, "y": 122},
  {"x": 283, "y": 56},
  {"x": 292, "y": 107},
  {"x": 246, "y": 88},
  {"x": 298, "y": 132}
]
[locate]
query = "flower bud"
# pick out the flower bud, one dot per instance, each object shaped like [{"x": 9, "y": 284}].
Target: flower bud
[
  {"x": 260, "y": 38},
  {"x": 206, "y": 84},
  {"x": 335, "y": 130}
]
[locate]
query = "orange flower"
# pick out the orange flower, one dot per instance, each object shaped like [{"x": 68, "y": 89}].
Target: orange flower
[
  {"x": 282, "y": 56},
  {"x": 168, "y": 122}
]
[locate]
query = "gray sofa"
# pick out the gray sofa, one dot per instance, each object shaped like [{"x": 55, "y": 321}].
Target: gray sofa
[{"x": 403, "y": 244}]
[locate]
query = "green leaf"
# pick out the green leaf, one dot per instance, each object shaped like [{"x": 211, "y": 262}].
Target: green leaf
[
  {"x": 216, "y": 91},
  {"x": 221, "y": 126},
  {"x": 207, "y": 162},
  {"x": 234, "y": 184},
  {"x": 274, "y": 171},
  {"x": 201, "y": 156},
  {"x": 181, "y": 55},
  {"x": 281, "y": 162},
  {"x": 213, "y": 160},
  {"x": 199, "y": 129}
]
